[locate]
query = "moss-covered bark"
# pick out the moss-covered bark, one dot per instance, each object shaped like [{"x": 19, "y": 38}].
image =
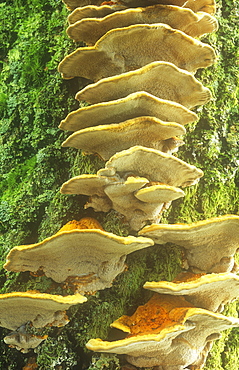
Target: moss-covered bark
[{"x": 33, "y": 100}]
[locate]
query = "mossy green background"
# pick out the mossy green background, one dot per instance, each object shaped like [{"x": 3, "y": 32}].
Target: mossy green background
[{"x": 33, "y": 100}]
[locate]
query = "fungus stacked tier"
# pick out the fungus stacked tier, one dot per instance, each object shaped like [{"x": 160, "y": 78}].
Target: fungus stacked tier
[
  {"x": 141, "y": 100},
  {"x": 141, "y": 63}
]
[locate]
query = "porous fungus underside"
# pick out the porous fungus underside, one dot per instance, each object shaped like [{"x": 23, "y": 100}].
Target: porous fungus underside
[{"x": 33, "y": 101}]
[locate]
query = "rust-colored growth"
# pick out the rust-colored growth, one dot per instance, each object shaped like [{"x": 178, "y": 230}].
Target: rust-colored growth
[
  {"x": 108, "y": 3},
  {"x": 159, "y": 312},
  {"x": 83, "y": 223},
  {"x": 31, "y": 364},
  {"x": 186, "y": 276},
  {"x": 76, "y": 283}
]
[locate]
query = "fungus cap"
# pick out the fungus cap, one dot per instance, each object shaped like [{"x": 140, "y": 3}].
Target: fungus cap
[
  {"x": 90, "y": 29},
  {"x": 125, "y": 49},
  {"x": 86, "y": 185},
  {"x": 17, "y": 308},
  {"x": 166, "y": 331},
  {"x": 23, "y": 341},
  {"x": 138, "y": 208},
  {"x": 208, "y": 6},
  {"x": 106, "y": 140},
  {"x": 134, "y": 105},
  {"x": 94, "y": 255},
  {"x": 159, "y": 192},
  {"x": 210, "y": 244},
  {"x": 170, "y": 83},
  {"x": 211, "y": 291},
  {"x": 154, "y": 165},
  {"x": 92, "y": 11}
]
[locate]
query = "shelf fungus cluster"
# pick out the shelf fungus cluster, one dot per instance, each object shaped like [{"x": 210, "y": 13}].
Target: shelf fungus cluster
[
  {"x": 167, "y": 332},
  {"x": 91, "y": 257},
  {"x": 140, "y": 58},
  {"x": 138, "y": 182},
  {"x": 40, "y": 309}
]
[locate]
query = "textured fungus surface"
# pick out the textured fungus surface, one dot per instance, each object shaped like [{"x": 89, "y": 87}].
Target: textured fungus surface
[
  {"x": 168, "y": 332},
  {"x": 210, "y": 244},
  {"x": 126, "y": 49},
  {"x": 106, "y": 140},
  {"x": 138, "y": 208},
  {"x": 91, "y": 254},
  {"x": 128, "y": 196},
  {"x": 154, "y": 165},
  {"x": 23, "y": 341},
  {"x": 132, "y": 106},
  {"x": 90, "y": 30},
  {"x": 208, "y": 6},
  {"x": 92, "y": 11},
  {"x": 42, "y": 308},
  {"x": 169, "y": 82},
  {"x": 211, "y": 291}
]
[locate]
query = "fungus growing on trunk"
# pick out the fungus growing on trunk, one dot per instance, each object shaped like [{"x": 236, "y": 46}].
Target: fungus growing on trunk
[
  {"x": 23, "y": 341},
  {"x": 92, "y": 11},
  {"x": 95, "y": 257},
  {"x": 138, "y": 204},
  {"x": 210, "y": 245},
  {"x": 42, "y": 309},
  {"x": 126, "y": 49},
  {"x": 132, "y": 106},
  {"x": 208, "y": 6},
  {"x": 90, "y": 30},
  {"x": 153, "y": 165},
  {"x": 211, "y": 291},
  {"x": 106, "y": 140},
  {"x": 161, "y": 79},
  {"x": 167, "y": 331},
  {"x": 127, "y": 196}
]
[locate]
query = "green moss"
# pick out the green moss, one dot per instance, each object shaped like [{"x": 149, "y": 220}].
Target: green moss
[{"x": 105, "y": 362}]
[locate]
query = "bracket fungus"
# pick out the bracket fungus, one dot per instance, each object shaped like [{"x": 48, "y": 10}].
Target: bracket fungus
[
  {"x": 90, "y": 30},
  {"x": 208, "y": 6},
  {"x": 23, "y": 341},
  {"x": 92, "y": 11},
  {"x": 134, "y": 105},
  {"x": 210, "y": 291},
  {"x": 93, "y": 186},
  {"x": 152, "y": 164},
  {"x": 167, "y": 331},
  {"x": 210, "y": 245},
  {"x": 106, "y": 140},
  {"x": 127, "y": 196},
  {"x": 124, "y": 49},
  {"x": 42, "y": 309},
  {"x": 169, "y": 82},
  {"x": 139, "y": 204},
  {"x": 95, "y": 257}
]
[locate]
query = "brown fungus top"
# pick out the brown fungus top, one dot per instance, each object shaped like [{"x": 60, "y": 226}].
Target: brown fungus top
[
  {"x": 170, "y": 83},
  {"x": 90, "y": 30},
  {"x": 125, "y": 49},
  {"x": 134, "y": 105},
  {"x": 106, "y": 140},
  {"x": 211, "y": 291},
  {"x": 17, "y": 308},
  {"x": 210, "y": 245},
  {"x": 92, "y": 253}
]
